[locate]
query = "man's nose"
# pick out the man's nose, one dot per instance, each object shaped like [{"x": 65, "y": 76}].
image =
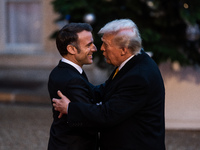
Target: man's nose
[
  {"x": 102, "y": 48},
  {"x": 94, "y": 48}
]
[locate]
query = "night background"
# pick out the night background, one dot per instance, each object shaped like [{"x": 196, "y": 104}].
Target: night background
[{"x": 169, "y": 28}]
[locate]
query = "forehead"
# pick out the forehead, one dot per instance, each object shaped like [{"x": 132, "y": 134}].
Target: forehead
[{"x": 107, "y": 38}]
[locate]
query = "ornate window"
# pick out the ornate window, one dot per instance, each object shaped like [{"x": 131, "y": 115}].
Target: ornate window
[{"x": 22, "y": 24}]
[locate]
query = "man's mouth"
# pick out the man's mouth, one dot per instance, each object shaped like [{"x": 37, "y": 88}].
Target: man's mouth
[{"x": 90, "y": 55}]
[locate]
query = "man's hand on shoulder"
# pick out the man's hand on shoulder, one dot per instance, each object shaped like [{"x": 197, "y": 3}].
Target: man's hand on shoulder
[{"x": 61, "y": 105}]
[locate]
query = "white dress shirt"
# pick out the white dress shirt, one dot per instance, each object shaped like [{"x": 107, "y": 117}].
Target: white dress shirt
[
  {"x": 122, "y": 64},
  {"x": 80, "y": 70}
]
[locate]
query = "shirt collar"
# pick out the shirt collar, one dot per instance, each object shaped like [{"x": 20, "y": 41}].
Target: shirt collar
[
  {"x": 80, "y": 70},
  {"x": 120, "y": 67},
  {"x": 122, "y": 64}
]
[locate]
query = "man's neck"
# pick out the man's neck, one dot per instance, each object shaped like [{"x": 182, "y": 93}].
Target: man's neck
[{"x": 72, "y": 59}]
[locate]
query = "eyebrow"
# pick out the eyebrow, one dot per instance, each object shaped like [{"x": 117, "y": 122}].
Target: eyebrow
[
  {"x": 104, "y": 41},
  {"x": 89, "y": 43}
]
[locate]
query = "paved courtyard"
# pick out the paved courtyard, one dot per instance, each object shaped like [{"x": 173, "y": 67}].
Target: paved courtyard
[{"x": 26, "y": 127}]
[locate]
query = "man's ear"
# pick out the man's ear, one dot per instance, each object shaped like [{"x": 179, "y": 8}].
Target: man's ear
[
  {"x": 123, "y": 51},
  {"x": 71, "y": 49}
]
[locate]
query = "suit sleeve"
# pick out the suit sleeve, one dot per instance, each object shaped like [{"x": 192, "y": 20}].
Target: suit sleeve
[
  {"x": 79, "y": 91},
  {"x": 126, "y": 100},
  {"x": 98, "y": 92}
]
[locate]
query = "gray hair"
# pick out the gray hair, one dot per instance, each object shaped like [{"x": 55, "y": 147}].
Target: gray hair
[{"x": 127, "y": 34}]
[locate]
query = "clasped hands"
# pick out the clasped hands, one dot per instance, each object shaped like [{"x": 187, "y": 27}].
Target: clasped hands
[{"x": 61, "y": 105}]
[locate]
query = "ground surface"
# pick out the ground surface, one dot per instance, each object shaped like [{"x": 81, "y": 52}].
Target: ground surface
[{"x": 26, "y": 127}]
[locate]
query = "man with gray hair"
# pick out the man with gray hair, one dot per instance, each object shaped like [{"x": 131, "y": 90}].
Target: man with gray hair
[{"x": 131, "y": 116}]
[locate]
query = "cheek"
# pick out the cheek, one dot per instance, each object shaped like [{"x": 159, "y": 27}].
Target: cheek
[
  {"x": 114, "y": 57},
  {"x": 110, "y": 54}
]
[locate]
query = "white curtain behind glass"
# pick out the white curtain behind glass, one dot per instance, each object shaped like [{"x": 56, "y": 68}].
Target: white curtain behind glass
[{"x": 23, "y": 23}]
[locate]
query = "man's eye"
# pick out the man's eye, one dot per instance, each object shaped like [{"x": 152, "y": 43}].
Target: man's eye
[{"x": 89, "y": 45}]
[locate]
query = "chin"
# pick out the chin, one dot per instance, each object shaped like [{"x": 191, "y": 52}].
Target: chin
[{"x": 90, "y": 62}]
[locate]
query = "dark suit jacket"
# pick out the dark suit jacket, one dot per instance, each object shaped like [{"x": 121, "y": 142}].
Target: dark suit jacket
[
  {"x": 71, "y": 83},
  {"x": 132, "y": 114}
]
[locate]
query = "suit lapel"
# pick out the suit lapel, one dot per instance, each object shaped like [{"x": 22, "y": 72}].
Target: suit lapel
[
  {"x": 130, "y": 64},
  {"x": 111, "y": 83},
  {"x": 84, "y": 75}
]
